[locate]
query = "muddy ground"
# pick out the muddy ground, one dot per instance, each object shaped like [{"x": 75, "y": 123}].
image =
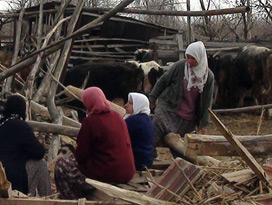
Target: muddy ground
[{"x": 243, "y": 124}]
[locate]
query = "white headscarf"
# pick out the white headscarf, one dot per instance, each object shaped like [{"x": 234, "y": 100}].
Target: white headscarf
[
  {"x": 197, "y": 76},
  {"x": 140, "y": 104}
]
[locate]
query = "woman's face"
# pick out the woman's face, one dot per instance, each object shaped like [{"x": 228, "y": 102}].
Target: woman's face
[
  {"x": 129, "y": 106},
  {"x": 191, "y": 61}
]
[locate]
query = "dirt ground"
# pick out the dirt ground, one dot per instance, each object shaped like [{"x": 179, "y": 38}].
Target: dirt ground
[
  {"x": 238, "y": 124},
  {"x": 242, "y": 124}
]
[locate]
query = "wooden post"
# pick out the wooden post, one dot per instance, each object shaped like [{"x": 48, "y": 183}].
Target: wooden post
[
  {"x": 189, "y": 38},
  {"x": 180, "y": 45}
]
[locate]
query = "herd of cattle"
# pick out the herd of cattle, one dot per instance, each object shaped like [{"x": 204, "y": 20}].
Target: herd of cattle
[
  {"x": 244, "y": 79},
  {"x": 241, "y": 80}
]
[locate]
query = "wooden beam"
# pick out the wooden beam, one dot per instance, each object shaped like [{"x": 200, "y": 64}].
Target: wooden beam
[
  {"x": 177, "y": 143},
  {"x": 77, "y": 91},
  {"x": 42, "y": 110},
  {"x": 131, "y": 196},
  {"x": 212, "y": 145},
  {"x": 242, "y": 9},
  {"x": 41, "y": 201},
  {"x": 241, "y": 150},
  {"x": 54, "y": 128},
  {"x": 243, "y": 109}
]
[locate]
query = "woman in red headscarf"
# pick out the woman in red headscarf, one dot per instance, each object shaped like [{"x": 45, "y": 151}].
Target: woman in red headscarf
[{"x": 103, "y": 149}]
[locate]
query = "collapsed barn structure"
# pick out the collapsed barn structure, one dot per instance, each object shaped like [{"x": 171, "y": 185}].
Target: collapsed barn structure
[{"x": 203, "y": 180}]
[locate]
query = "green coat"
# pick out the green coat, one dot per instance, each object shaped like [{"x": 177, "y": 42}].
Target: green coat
[{"x": 168, "y": 92}]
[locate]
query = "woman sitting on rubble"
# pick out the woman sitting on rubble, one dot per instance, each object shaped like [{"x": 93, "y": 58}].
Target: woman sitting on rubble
[
  {"x": 183, "y": 95},
  {"x": 20, "y": 151},
  {"x": 103, "y": 150},
  {"x": 140, "y": 129}
]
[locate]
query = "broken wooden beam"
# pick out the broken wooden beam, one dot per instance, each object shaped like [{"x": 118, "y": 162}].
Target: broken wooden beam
[
  {"x": 241, "y": 150},
  {"x": 5, "y": 185},
  {"x": 177, "y": 143},
  {"x": 214, "y": 145}
]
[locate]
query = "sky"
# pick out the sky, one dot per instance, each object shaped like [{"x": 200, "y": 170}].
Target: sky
[{"x": 3, "y": 5}]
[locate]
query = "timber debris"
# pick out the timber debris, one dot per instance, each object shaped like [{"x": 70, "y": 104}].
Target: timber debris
[{"x": 222, "y": 169}]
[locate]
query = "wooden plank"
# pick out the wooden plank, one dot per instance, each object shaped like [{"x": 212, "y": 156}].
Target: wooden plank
[
  {"x": 119, "y": 58},
  {"x": 41, "y": 201},
  {"x": 130, "y": 196},
  {"x": 243, "y": 109},
  {"x": 238, "y": 176},
  {"x": 164, "y": 42},
  {"x": 108, "y": 46},
  {"x": 168, "y": 54},
  {"x": 170, "y": 37},
  {"x": 175, "y": 180},
  {"x": 111, "y": 39},
  {"x": 241, "y": 150},
  {"x": 101, "y": 53},
  {"x": 214, "y": 145}
]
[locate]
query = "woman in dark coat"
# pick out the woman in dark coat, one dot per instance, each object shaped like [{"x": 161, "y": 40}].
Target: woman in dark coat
[
  {"x": 20, "y": 151},
  {"x": 140, "y": 129}
]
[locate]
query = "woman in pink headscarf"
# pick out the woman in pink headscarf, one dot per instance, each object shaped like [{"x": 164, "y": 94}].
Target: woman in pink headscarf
[{"x": 103, "y": 149}]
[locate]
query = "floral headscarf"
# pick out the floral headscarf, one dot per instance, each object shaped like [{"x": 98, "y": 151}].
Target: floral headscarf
[{"x": 197, "y": 76}]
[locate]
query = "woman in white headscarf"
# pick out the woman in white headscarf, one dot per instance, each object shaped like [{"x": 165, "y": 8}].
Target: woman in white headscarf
[
  {"x": 140, "y": 129},
  {"x": 183, "y": 95}
]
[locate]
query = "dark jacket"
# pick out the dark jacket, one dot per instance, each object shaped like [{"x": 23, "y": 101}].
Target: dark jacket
[
  {"x": 17, "y": 145},
  {"x": 141, "y": 135}
]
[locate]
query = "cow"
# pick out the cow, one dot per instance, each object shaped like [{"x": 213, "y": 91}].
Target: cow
[
  {"x": 251, "y": 73},
  {"x": 116, "y": 79},
  {"x": 152, "y": 72},
  {"x": 222, "y": 66}
]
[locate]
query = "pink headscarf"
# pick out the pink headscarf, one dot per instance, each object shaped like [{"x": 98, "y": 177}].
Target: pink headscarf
[{"x": 95, "y": 100}]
